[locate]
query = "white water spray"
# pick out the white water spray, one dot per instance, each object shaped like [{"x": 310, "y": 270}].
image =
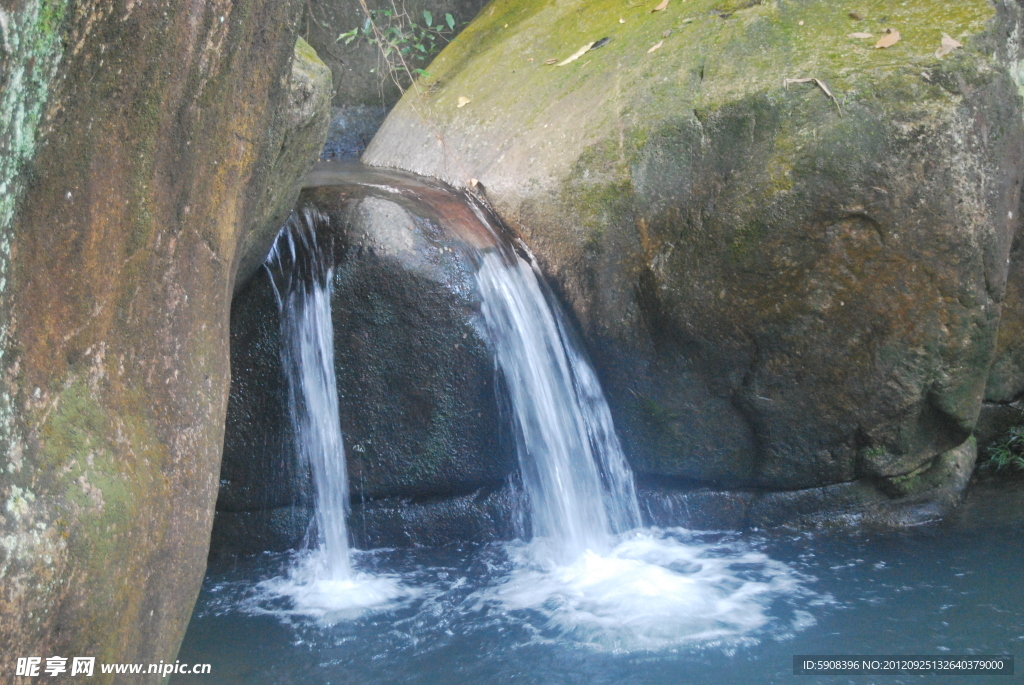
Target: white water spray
[
  {"x": 301, "y": 272},
  {"x": 591, "y": 572}
]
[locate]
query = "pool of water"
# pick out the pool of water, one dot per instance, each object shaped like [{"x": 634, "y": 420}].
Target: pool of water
[{"x": 667, "y": 606}]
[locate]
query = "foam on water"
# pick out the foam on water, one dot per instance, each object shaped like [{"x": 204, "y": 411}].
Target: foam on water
[
  {"x": 655, "y": 590},
  {"x": 309, "y": 590}
]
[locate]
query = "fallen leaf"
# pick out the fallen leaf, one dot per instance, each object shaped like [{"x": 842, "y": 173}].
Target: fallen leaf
[
  {"x": 818, "y": 82},
  {"x": 656, "y": 46},
  {"x": 621, "y": 20},
  {"x": 601, "y": 43},
  {"x": 667, "y": 33},
  {"x": 860, "y": 34},
  {"x": 856, "y": 16},
  {"x": 888, "y": 40},
  {"x": 800, "y": 23},
  {"x": 661, "y": 5},
  {"x": 463, "y": 101},
  {"x": 576, "y": 55},
  {"x": 948, "y": 46},
  {"x": 551, "y": 60}
]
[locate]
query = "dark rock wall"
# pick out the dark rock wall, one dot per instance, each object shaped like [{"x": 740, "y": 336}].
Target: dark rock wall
[
  {"x": 149, "y": 162},
  {"x": 416, "y": 389}
]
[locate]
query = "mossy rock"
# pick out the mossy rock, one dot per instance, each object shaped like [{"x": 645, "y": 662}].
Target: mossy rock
[
  {"x": 138, "y": 147},
  {"x": 780, "y": 289}
]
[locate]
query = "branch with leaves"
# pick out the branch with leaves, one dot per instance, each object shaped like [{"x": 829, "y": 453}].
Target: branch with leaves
[{"x": 403, "y": 42}]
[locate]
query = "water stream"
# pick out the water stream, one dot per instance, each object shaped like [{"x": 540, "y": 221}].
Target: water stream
[
  {"x": 579, "y": 485},
  {"x": 322, "y": 582}
]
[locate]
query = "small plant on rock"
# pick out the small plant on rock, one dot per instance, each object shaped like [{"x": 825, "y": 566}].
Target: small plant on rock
[
  {"x": 1008, "y": 454},
  {"x": 404, "y": 42}
]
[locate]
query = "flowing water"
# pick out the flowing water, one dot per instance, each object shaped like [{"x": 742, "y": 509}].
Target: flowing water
[
  {"x": 593, "y": 596},
  {"x": 321, "y": 582}
]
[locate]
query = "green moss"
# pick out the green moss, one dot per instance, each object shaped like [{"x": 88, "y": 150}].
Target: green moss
[{"x": 104, "y": 492}]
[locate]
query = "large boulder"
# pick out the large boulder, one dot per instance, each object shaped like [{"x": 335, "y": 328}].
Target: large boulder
[
  {"x": 783, "y": 286},
  {"x": 139, "y": 141},
  {"x": 429, "y": 454}
]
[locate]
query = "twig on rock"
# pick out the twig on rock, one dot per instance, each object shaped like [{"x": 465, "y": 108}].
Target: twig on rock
[{"x": 818, "y": 82}]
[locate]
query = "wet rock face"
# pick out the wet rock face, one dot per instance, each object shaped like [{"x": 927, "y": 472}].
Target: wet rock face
[
  {"x": 416, "y": 381},
  {"x": 779, "y": 292}
]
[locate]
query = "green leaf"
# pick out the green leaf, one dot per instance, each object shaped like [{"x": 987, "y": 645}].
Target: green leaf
[
  {"x": 450, "y": 20},
  {"x": 429, "y": 17}
]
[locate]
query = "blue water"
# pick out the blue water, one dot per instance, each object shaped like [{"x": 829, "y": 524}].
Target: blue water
[{"x": 955, "y": 588}]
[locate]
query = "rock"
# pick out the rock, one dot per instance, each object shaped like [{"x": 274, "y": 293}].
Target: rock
[
  {"x": 137, "y": 140},
  {"x": 924, "y": 496},
  {"x": 416, "y": 380},
  {"x": 697, "y": 509},
  {"x": 480, "y": 516},
  {"x": 780, "y": 291},
  {"x": 300, "y": 136}
]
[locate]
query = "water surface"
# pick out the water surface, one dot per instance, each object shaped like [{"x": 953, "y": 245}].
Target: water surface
[{"x": 955, "y": 588}]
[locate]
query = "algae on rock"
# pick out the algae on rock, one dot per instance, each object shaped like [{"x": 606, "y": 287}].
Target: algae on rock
[{"x": 808, "y": 294}]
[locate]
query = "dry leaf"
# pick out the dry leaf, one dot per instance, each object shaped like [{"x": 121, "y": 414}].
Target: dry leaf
[
  {"x": 576, "y": 55},
  {"x": 656, "y": 46},
  {"x": 888, "y": 40},
  {"x": 856, "y": 16},
  {"x": 621, "y": 20},
  {"x": 463, "y": 101},
  {"x": 667, "y": 33},
  {"x": 818, "y": 82},
  {"x": 552, "y": 60},
  {"x": 948, "y": 46},
  {"x": 860, "y": 34},
  {"x": 661, "y": 5},
  {"x": 800, "y": 23}
]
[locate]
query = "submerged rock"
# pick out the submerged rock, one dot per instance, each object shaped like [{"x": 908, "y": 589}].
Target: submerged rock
[
  {"x": 784, "y": 286},
  {"x": 147, "y": 136}
]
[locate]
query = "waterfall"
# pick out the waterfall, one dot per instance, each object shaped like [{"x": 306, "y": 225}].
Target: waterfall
[
  {"x": 579, "y": 485},
  {"x": 301, "y": 271}
]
